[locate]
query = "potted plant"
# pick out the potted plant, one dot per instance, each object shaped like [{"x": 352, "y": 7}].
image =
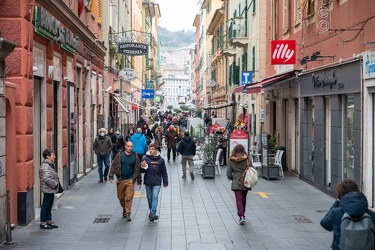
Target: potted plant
[{"x": 208, "y": 149}]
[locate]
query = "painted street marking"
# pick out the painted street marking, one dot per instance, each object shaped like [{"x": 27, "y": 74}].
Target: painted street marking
[
  {"x": 263, "y": 194},
  {"x": 137, "y": 194}
]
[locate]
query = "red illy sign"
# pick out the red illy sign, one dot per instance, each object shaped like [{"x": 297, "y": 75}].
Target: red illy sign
[{"x": 283, "y": 52}]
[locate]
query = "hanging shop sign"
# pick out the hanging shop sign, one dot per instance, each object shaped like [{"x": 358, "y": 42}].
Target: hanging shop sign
[
  {"x": 147, "y": 93},
  {"x": 369, "y": 65},
  {"x": 283, "y": 52},
  {"x": 50, "y": 27},
  {"x": 246, "y": 77},
  {"x": 133, "y": 49},
  {"x": 128, "y": 74}
]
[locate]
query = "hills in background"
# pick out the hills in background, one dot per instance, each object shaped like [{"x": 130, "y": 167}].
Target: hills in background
[{"x": 172, "y": 40}]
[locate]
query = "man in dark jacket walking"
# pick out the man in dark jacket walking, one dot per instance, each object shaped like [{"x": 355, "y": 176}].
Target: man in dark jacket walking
[
  {"x": 155, "y": 174},
  {"x": 229, "y": 126},
  {"x": 118, "y": 142},
  {"x": 102, "y": 147},
  {"x": 187, "y": 149}
]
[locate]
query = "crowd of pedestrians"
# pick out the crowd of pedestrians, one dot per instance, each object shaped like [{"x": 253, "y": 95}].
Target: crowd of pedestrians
[{"x": 139, "y": 153}]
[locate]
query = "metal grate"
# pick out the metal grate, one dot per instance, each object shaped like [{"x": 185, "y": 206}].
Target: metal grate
[
  {"x": 302, "y": 219},
  {"x": 102, "y": 218}
]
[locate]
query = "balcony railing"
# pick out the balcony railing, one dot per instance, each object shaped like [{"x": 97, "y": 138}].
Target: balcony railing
[{"x": 237, "y": 33}]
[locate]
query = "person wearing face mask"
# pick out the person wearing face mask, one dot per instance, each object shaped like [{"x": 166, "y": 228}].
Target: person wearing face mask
[
  {"x": 130, "y": 133},
  {"x": 147, "y": 133},
  {"x": 118, "y": 142},
  {"x": 102, "y": 147},
  {"x": 139, "y": 143},
  {"x": 171, "y": 141}
]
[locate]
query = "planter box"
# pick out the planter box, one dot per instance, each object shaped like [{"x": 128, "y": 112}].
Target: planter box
[
  {"x": 270, "y": 172},
  {"x": 208, "y": 171}
]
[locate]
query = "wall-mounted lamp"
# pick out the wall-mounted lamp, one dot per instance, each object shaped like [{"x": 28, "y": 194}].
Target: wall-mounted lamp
[
  {"x": 317, "y": 55},
  {"x": 304, "y": 60},
  {"x": 51, "y": 69},
  {"x": 35, "y": 69}
]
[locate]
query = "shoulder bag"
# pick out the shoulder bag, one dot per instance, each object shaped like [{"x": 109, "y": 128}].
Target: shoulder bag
[{"x": 250, "y": 176}]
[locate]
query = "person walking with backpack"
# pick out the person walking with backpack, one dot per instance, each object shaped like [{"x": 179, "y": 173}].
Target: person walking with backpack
[
  {"x": 237, "y": 165},
  {"x": 353, "y": 204},
  {"x": 187, "y": 149}
]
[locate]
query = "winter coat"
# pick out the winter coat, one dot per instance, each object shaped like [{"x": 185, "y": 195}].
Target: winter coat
[
  {"x": 159, "y": 136},
  {"x": 353, "y": 203},
  {"x": 187, "y": 146},
  {"x": 49, "y": 181},
  {"x": 116, "y": 169},
  {"x": 118, "y": 142},
  {"x": 171, "y": 138},
  {"x": 236, "y": 167},
  {"x": 139, "y": 143},
  {"x": 147, "y": 132},
  {"x": 221, "y": 140},
  {"x": 102, "y": 145},
  {"x": 156, "y": 173},
  {"x": 229, "y": 127}
]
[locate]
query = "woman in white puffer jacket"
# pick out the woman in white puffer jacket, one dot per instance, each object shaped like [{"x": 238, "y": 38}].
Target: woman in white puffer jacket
[{"x": 49, "y": 185}]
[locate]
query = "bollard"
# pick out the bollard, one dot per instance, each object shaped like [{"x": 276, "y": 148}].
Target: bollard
[{"x": 8, "y": 239}]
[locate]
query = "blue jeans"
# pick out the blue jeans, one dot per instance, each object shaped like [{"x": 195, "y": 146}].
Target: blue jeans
[
  {"x": 152, "y": 197},
  {"x": 102, "y": 159},
  {"x": 45, "y": 210}
]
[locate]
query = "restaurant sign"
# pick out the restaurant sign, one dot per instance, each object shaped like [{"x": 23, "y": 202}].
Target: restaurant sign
[
  {"x": 133, "y": 49},
  {"x": 50, "y": 27}
]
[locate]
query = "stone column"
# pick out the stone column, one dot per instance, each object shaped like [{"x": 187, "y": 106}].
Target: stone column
[{"x": 6, "y": 47}]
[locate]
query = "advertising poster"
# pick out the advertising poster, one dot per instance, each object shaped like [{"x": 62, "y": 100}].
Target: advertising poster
[{"x": 238, "y": 137}]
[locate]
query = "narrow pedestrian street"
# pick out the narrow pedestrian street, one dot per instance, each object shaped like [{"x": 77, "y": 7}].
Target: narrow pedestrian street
[{"x": 199, "y": 214}]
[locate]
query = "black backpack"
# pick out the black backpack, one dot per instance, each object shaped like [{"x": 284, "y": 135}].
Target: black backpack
[{"x": 357, "y": 233}]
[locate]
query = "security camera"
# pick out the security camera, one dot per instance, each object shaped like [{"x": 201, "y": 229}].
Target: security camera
[
  {"x": 108, "y": 89},
  {"x": 96, "y": 40},
  {"x": 66, "y": 78}
]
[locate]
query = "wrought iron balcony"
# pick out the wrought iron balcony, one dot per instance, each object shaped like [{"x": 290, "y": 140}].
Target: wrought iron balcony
[{"x": 237, "y": 33}]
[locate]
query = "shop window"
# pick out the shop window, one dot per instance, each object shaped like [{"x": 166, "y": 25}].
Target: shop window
[
  {"x": 309, "y": 173},
  {"x": 348, "y": 138}
]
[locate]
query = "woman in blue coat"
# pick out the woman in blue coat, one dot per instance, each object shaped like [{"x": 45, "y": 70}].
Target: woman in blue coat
[
  {"x": 155, "y": 173},
  {"x": 350, "y": 201}
]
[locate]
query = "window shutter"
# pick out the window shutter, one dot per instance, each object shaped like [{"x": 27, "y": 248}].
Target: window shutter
[
  {"x": 100, "y": 11},
  {"x": 93, "y": 7},
  {"x": 298, "y": 12},
  {"x": 286, "y": 14}
]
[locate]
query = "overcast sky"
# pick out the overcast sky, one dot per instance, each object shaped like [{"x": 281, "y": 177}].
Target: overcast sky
[{"x": 178, "y": 15}]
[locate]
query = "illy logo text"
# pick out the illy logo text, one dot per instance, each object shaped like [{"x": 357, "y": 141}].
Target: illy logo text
[{"x": 283, "y": 52}]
